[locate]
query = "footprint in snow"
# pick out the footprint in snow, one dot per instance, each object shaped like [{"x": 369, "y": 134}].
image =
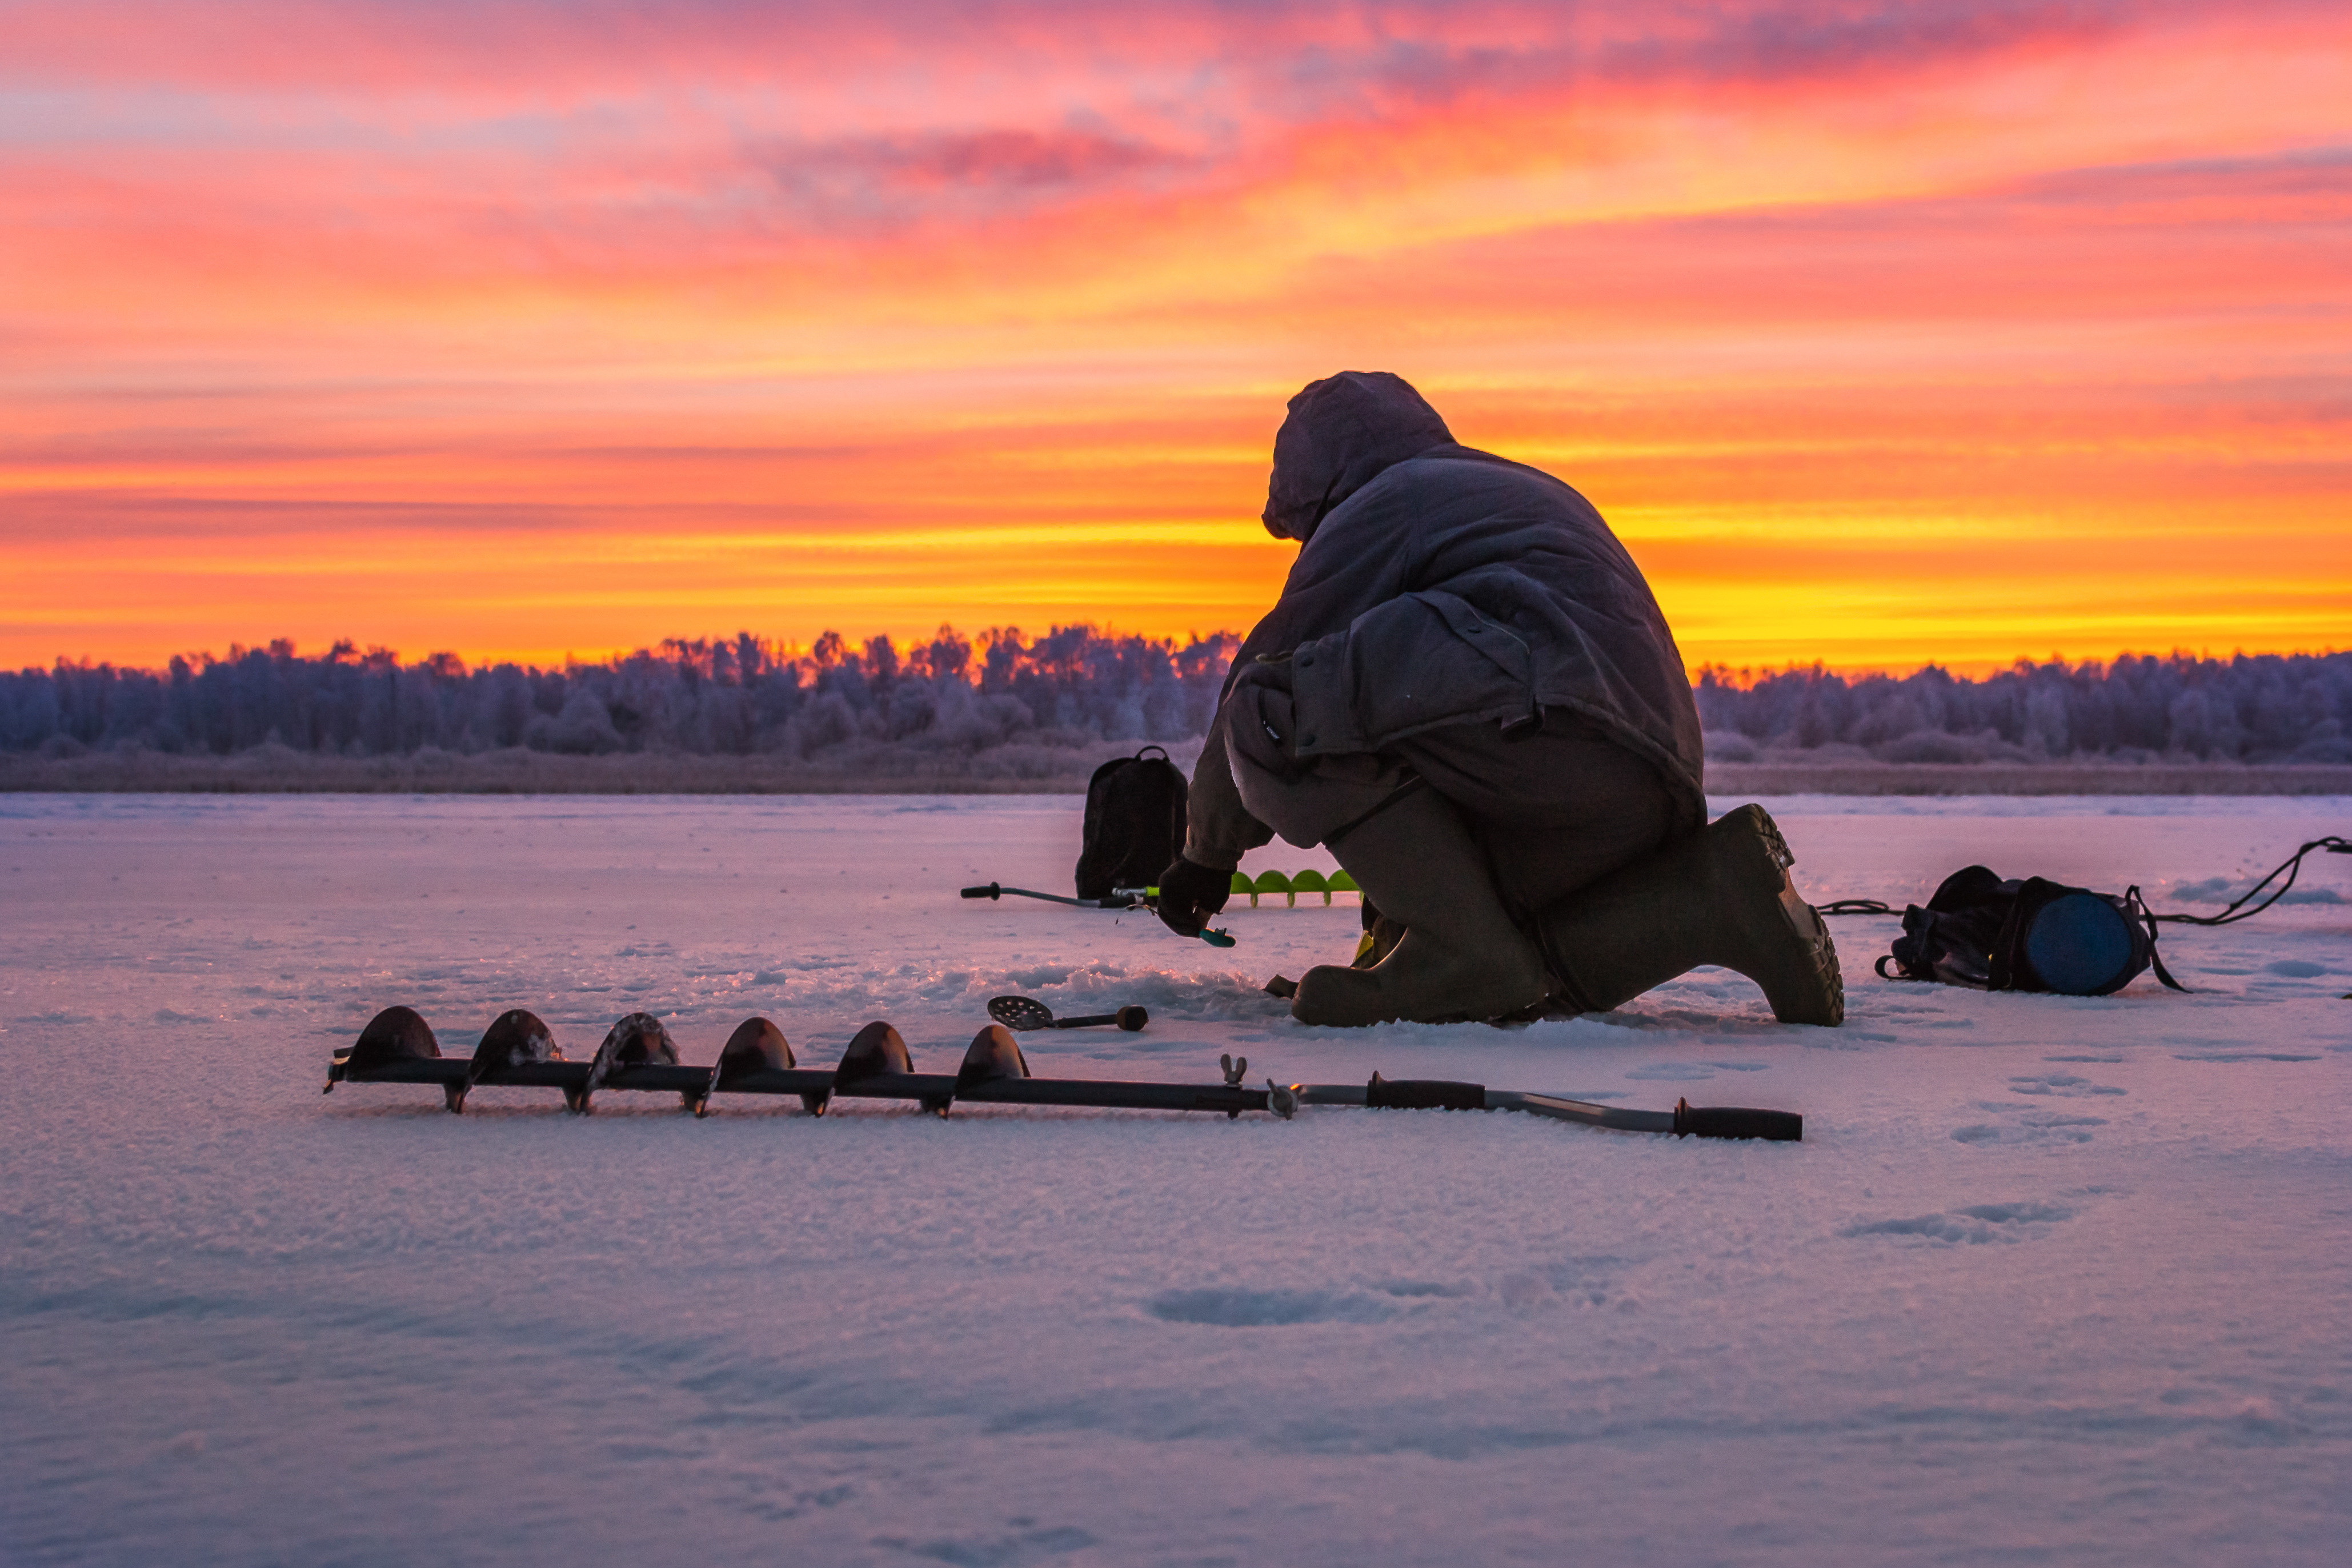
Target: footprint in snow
[
  {"x": 2029, "y": 1127},
  {"x": 1240, "y": 1309},
  {"x": 1972, "y": 1225},
  {"x": 2066, "y": 1085},
  {"x": 2241, "y": 1056},
  {"x": 997, "y": 1551},
  {"x": 1690, "y": 1071}
]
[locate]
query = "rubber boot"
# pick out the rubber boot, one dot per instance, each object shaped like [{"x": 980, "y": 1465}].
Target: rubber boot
[
  {"x": 1721, "y": 897},
  {"x": 1460, "y": 957}
]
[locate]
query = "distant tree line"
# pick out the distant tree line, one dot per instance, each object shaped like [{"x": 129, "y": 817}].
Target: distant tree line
[
  {"x": 2248, "y": 708},
  {"x": 1079, "y": 684},
  {"x": 1074, "y": 685}
]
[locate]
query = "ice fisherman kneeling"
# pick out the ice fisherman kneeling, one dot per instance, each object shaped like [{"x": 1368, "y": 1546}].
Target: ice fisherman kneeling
[{"x": 1469, "y": 693}]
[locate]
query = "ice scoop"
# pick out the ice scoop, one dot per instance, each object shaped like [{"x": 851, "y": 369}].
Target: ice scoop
[{"x": 1028, "y": 1013}]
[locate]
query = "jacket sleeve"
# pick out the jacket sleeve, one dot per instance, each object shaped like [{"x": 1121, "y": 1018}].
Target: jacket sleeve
[{"x": 1218, "y": 829}]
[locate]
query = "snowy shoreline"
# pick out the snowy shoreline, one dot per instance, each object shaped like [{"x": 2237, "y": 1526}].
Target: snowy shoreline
[{"x": 1035, "y": 769}]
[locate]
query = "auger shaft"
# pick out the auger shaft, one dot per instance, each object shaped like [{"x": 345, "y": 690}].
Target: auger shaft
[{"x": 930, "y": 1088}]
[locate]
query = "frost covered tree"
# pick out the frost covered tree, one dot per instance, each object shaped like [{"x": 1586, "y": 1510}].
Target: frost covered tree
[{"x": 737, "y": 696}]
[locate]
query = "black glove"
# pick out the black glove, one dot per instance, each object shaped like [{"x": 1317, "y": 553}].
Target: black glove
[{"x": 1190, "y": 894}]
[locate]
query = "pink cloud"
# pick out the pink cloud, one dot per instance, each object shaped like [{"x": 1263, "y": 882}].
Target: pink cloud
[{"x": 1427, "y": 50}]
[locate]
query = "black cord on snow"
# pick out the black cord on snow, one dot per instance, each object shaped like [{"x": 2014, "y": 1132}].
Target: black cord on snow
[
  {"x": 2136, "y": 908},
  {"x": 2292, "y": 866}
]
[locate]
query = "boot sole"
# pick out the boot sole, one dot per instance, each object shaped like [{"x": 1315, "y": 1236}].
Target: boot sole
[{"x": 1336, "y": 995}]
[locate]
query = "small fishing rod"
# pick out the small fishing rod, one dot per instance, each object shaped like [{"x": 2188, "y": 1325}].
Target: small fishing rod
[{"x": 1120, "y": 898}]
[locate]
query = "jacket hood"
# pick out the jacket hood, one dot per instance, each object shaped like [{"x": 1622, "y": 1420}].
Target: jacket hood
[{"x": 1341, "y": 433}]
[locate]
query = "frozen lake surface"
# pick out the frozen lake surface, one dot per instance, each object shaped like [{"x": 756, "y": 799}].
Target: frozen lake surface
[{"x": 2048, "y": 1280}]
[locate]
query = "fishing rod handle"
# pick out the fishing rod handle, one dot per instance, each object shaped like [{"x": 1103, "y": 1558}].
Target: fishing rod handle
[
  {"x": 1129, "y": 1019},
  {"x": 1737, "y": 1122}
]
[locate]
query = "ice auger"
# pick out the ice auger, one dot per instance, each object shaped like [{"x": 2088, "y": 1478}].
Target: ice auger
[{"x": 637, "y": 1054}]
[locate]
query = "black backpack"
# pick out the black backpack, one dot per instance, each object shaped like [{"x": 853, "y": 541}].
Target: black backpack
[
  {"x": 2034, "y": 935},
  {"x": 1135, "y": 822}
]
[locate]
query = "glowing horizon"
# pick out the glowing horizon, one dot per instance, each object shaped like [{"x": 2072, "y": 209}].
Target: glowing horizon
[{"x": 1883, "y": 335}]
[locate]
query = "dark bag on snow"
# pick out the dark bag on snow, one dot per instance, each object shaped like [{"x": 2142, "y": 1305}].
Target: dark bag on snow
[
  {"x": 2030, "y": 936},
  {"x": 1135, "y": 822}
]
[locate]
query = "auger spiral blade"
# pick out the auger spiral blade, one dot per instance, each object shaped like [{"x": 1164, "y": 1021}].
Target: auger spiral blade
[
  {"x": 515, "y": 1038},
  {"x": 994, "y": 1056},
  {"x": 395, "y": 1038},
  {"x": 877, "y": 1066},
  {"x": 636, "y": 1041},
  {"x": 756, "y": 1047}
]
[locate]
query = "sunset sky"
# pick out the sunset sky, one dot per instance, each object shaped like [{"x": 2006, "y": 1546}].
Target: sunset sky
[{"x": 1882, "y": 333}]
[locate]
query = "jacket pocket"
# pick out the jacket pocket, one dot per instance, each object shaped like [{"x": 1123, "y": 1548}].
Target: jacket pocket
[{"x": 1500, "y": 643}]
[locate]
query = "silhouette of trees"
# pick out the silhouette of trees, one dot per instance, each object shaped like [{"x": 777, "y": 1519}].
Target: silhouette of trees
[
  {"x": 2248, "y": 708},
  {"x": 1079, "y": 684},
  {"x": 1076, "y": 684}
]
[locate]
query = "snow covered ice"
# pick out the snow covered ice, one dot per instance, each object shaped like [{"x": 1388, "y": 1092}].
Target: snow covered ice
[{"x": 2049, "y": 1279}]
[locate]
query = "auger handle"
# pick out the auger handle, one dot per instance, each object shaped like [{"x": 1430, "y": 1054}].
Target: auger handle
[
  {"x": 1423, "y": 1095},
  {"x": 1737, "y": 1122}
]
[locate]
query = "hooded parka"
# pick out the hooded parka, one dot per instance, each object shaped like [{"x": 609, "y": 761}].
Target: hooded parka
[{"x": 1440, "y": 585}]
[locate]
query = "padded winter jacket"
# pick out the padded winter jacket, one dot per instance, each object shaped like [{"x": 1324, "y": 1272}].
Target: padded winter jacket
[{"x": 1440, "y": 585}]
